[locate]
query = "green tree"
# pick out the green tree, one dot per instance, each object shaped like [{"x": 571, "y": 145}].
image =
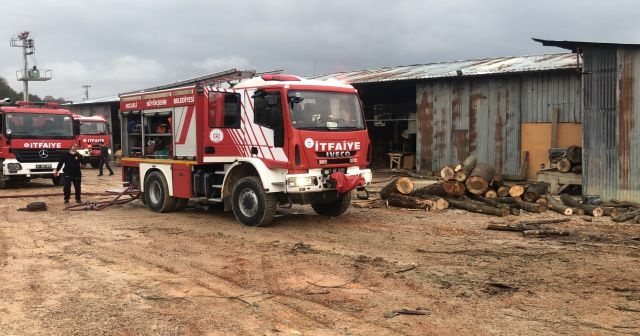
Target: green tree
[{"x": 7, "y": 92}]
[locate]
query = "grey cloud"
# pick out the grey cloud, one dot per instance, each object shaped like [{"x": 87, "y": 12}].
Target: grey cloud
[{"x": 118, "y": 45}]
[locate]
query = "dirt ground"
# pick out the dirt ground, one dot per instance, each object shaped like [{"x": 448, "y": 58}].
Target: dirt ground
[{"x": 128, "y": 271}]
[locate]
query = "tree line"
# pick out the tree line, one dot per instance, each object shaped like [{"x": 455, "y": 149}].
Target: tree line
[{"x": 7, "y": 92}]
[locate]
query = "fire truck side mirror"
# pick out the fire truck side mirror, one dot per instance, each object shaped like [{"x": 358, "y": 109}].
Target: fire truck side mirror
[{"x": 76, "y": 127}]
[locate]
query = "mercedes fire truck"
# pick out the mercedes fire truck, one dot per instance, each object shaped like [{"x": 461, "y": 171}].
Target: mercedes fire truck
[
  {"x": 269, "y": 140},
  {"x": 33, "y": 138}
]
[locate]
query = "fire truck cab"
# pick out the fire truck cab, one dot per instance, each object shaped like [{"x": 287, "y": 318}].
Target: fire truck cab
[
  {"x": 269, "y": 140},
  {"x": 33, "y": 137},
  {"x": 93, "y": 132}
]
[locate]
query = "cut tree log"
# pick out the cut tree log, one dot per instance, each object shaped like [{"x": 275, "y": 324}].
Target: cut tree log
[
  {"x": 610, "y": 211},
  {"x": 439, "y": 202},
  {"x": 507, "y": 200},
  {"x": 578, "y": 211},
  {"x": 491, "y": 193},
  {"x": 626, "y": 203},
  {"x": 530, "y": 207},
  {"x": 503, "y": 191},
  {"x": 404, "y": 201},
  {"x": 574, "y": 154},
  {"x": 399, "y": 185},
  {"x": 477, "y": 208},
  {"x": 535, "y": 190},
  {"x": 516, "y": 190},
  {"x": 563, "y": 165},
  {"x": 464, "y": 169},
  {"x": 544, "y": 233},
  {"x": 447, "y": 173},
  {"x": 436, "y": 189},
  {"x": 554, "y": 205},
  {"x": 492, "y": 202},
  {"x": 480, "y": 178},
  {"x": 591, "y": 210},
  {"x": 504, "y": 227},
  {"x": 454, "y": 188},
  {"x": 626, "y": 216}
]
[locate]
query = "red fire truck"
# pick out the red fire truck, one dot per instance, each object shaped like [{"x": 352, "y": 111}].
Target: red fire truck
[
  {"x": 269, "y": 140},
  {"x": 94, "y": 131},
  {"x": 34, "y": 136}
]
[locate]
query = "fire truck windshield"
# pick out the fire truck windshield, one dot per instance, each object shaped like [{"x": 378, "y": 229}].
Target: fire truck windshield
[
  {"x": 93, "y": 127},
  {"x": 317, "y": 110},
  {"x": 39, "y": 125}
]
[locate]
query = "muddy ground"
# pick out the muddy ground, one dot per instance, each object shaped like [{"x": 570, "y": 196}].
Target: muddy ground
[{"x": 128, "y": 271}]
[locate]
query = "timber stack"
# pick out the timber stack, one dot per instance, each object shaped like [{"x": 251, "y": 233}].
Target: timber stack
[
  {"x": 569, "y": 160},
  {"x": 475, "y": 187}
]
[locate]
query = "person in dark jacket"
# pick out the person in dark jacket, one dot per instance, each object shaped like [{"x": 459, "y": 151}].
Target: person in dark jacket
[
  {"x": 104, "y": 159},
  {"x": 71, "y": 161}
]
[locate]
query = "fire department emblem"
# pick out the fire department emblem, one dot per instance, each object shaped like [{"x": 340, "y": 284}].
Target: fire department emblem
[
  {"x": 216, "y": 135},
  {"x": 308, "y": 142}
]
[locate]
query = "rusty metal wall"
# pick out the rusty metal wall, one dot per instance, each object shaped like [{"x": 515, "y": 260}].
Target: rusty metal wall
[
  {"x": 461, "y": 117},
  {"x": 482, "y": 116},
  {"x": 611, "y": 152},
  {"x": 544, "y": 92}
]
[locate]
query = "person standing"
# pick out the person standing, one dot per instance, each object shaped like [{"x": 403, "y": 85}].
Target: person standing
[
  {"x": 71, "y": 161},
  {"x": 104, "y": 159}
]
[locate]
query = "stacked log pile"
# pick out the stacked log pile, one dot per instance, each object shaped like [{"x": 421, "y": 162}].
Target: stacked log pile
[
  {"x": 475, "y": 187},
  {"x": 568, "y": 161}
]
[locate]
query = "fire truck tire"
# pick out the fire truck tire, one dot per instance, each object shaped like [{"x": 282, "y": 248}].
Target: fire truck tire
[
  {"x": 93, "y": 164},
  {"x": 3, "y": 182},
  {"x": 335, "y": 208},
  {"x": 57, "y": 180},
  {"x": 251, "y": 205},
  {"x": 157, "y": 193},
  {"x": 143, "y": 199}
]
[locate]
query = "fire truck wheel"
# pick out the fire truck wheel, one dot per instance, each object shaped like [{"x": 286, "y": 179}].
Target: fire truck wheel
[
  {"x": 251, "y": 204},
  {"x": 93, "y": 164},
  {"x": 335, "y": 208},
  {"x": 157, "y": 193},
  {"x": 3, "y": 182},
  {"x": 57, "y": 180}
]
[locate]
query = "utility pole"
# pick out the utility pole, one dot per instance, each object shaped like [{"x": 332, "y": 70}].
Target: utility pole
[
  {"x": 25, "y": 75},
  {"x": 86, "y": 91}
]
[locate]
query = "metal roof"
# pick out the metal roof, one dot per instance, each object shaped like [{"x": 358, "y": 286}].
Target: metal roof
[
  {"x": 478, "y": 67},
  {"x": 574, "y": 45},
  {"x": 101, "y": 100}
]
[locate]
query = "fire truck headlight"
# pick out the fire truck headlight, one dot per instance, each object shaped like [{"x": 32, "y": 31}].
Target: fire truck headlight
[
  {"x": 305, "y": 181},
  {"x": 14, "y": 166},
  {"x": 367, "y": 176}
]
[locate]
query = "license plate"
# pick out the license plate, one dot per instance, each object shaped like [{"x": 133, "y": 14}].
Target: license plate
[
  {"x": 329, "y": 171},
  {"x": 43, "y": 166}
]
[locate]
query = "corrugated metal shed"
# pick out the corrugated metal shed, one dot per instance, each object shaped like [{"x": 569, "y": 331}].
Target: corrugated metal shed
[
  {"x": 611, "y": 153},
  {"x": 477, "y": 106},
  {"x": 478, "y": 67}
]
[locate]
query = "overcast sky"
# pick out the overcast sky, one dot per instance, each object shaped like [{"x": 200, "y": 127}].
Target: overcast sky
[{"x": 117, "y": 46}]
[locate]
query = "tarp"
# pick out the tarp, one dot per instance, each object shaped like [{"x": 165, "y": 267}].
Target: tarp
[{"x": 345, "y": 183}]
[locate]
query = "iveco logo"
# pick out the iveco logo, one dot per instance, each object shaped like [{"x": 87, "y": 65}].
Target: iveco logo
[{"x": 43, "y": 154}]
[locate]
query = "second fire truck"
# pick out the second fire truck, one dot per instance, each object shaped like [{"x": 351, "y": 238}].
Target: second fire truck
[
  {"x": 93, "y": 132},
  {"x": 274, "y": 139}
]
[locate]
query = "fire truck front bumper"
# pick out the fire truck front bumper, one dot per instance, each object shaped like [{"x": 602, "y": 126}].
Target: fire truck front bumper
[
  {"x": 316, "y": 181},
  {"x": 11, "y": 167}
]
